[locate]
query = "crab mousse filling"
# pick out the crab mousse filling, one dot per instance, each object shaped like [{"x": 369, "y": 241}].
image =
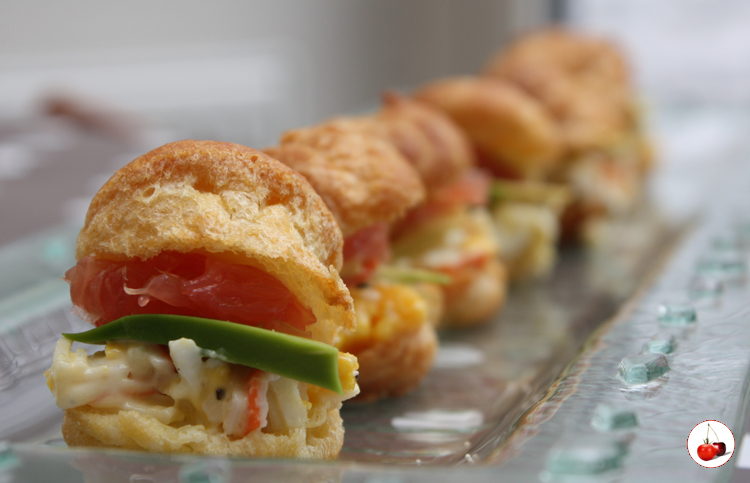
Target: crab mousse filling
[{"x": 179, "y": 385}]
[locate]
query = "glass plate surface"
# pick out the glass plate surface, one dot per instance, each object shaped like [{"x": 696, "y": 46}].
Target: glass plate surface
[{"x": 510, "y": 401}]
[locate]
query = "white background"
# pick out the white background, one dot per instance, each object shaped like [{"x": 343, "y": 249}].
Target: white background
[{"x": 698, "y": 435}]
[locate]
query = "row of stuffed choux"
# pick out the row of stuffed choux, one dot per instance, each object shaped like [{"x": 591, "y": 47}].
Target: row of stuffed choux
[
  {"x": 362, "y": 233},
  {"x": 553, "y": 117}
]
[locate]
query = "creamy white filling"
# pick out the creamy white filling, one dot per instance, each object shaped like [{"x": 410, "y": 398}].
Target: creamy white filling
[
  {"x": 590, "y": 180},
  {"x": 449, "y": 240},
  {"x": 523, "y": 227},
  {"x": 178, "y": 386}
]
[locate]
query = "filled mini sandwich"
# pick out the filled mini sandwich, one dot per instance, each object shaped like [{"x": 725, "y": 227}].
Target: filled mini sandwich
[
  {"x": 451, "y": 231},
  {"x": 447, "y": 234},
  {"x": 518, "y": 142},
  {"x": 211, "y": 274},
  {"x": 583, "y": 82},
  {"x": 368, "y": 185}
]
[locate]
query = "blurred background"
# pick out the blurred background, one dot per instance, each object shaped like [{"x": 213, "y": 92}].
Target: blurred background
[
  {"x": 277, "y": 64},
  {"x": 86, "y": 86}
]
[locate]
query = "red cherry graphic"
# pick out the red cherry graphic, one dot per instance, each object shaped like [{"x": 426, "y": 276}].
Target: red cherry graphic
[
  {"x": 721, "y": 448},
  {"x": 706, "y": 451}
]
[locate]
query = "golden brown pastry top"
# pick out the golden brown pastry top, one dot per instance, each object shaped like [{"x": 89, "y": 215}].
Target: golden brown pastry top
[
  {"x": 506, "y": 125},
  {"x": 227, "y": 199},
  {"x": 427, "y": 137},
  {"x": 362, "y": 178},
  {"x": 582, "y": 81}
]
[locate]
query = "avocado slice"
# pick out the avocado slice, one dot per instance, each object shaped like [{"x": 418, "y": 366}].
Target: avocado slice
[{"x": 289, "y": 356}]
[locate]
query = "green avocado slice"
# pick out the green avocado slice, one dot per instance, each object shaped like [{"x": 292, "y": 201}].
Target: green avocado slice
[
  {"x": 289, "y": 356},
  {"x": 409, "y": 275}
]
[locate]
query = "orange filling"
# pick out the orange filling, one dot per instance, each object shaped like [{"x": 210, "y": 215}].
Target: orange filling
[
  {"x": 185, "y": 284},
  {"x": 363, "y": 252},
  {"x": 472, "y": 189}
]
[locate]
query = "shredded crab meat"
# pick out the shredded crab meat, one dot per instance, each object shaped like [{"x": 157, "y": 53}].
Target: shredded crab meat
[{"x": 177, "y": 384}]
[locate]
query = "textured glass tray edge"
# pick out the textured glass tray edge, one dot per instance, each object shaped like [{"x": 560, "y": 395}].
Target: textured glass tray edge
[
  {"x": 35, "y": 264},
  {"x": 25, "y": 462},
  {"x": 551, "y": 396},
  {"x": 720, "y": 310}
]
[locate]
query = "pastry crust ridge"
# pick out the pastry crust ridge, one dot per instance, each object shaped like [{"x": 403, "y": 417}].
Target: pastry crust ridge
[{"x": 362, "y": 178}]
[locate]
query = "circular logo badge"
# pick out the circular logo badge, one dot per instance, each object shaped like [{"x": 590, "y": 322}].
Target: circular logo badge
[{"x": 710, "y": 444}]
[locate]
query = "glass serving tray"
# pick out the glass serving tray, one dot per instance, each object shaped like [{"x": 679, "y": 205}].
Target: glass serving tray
[{"x": 510, "y": 401}]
